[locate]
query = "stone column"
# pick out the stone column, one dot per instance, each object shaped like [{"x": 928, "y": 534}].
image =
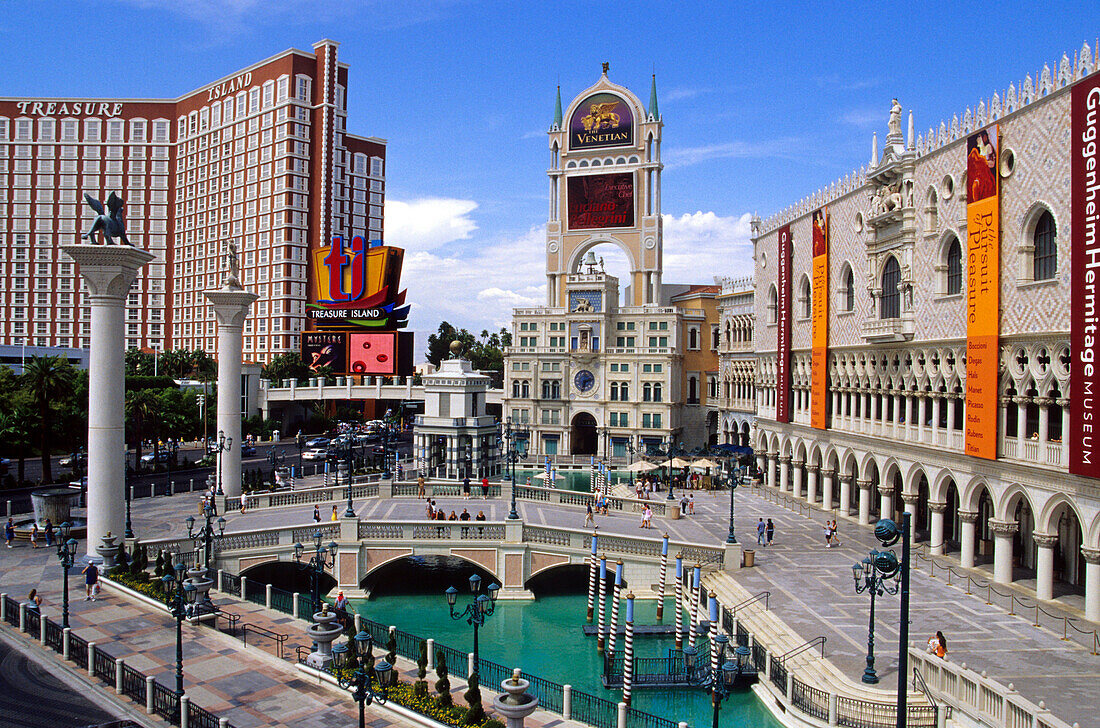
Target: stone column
[
  {"x": 1021, "y": 425},
  {"x": 864, "y": 501},
  {"x": 231, "y": 308},
  {"x": 796, "y": 477},
  {"x": 1044, "y": 564},
  {"x": 784, "y": 472},
  {"x": 1092, "y": 583},
  {"x": 1044, "y": 420},
  {"x": 811, "y": 483},
  {"x": 922, "y": 411},
  {"x": 1002, "y": 549},
  {"x": 968, "y": 538},
  {"x": 886, "y": 501},
  {"x": 108, "y": 271},
  {"x": 936, "y": 510},
  {"x": 771, "y": 469},
  {"x": 845, "y": 494},
  {"x": 827, "y": 490}
]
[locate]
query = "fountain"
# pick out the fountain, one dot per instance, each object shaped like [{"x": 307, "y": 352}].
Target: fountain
[
  {"x": 108, "y": 551},
  {"x": 515, "y": 703},
  {"x": 323, "y": 631},
  {"x": 198, "y": 579}
]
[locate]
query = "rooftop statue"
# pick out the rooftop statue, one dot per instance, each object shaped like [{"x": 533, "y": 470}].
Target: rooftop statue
[{"x": 112, "y": 225}]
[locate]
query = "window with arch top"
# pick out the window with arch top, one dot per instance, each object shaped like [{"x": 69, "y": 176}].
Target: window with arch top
[
  {"x": 848, "y": 290},
  {"x": 805, "y": 300},
  {"x": 890, "y": 305},
  {"x": 954, "y": 267},
  {"x": 1046, "y": 248},
  {"x": 773, "y": 304}
]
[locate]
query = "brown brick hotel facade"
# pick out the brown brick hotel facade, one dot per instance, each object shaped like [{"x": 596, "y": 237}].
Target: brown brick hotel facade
[{"x": 260, "y": 157}]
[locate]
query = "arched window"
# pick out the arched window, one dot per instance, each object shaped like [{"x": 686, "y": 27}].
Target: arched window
[
  {"x": 1046, "y": 247},
  {"x": 525, "y": 389},
  {"x": 647, "y": 392},
  {"x": 716, "y": 338},
  {"x": 890, "y": 307},
  {"x": 693, "y": 390},
  {"x": 848, "y": 290},
  {"x": 954, "y": 267},
  {"x": 515, "y": 387},
  {"x": 624, "y": 392},
  {"x": 804, "y": 300},
  {"x": 693, "y": 338},
  {"x": 614, "y": 391},
  {"x": 773, "y": 304},
  {"x": 656, "y": 392},
  {"x": 729, "y": 334}
]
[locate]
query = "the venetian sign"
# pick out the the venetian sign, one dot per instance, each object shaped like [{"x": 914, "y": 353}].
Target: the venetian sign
[
  {"x": 601, "y": 120},
  {"x": 356, "y": 286}
]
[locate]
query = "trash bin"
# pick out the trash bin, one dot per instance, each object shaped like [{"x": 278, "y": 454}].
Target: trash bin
[
  {"x": 674, "y": 512},
  {"x": 750, "y": 557}
]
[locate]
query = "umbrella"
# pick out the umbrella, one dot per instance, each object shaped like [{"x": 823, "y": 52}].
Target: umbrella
[
  {"x": 642, "y": 467},
  {"x": 704, "y": 463},
  {"x": 548, "y": 476},
  {"x": 680, "y": 463}
]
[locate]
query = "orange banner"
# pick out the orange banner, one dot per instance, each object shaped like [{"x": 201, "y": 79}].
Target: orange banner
[
  {"x": 982, "y": 293},
  {"x": 819, "y": 340}
]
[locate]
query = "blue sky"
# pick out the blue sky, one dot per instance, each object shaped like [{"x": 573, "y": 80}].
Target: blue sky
[{"x": 762, "y": 102}]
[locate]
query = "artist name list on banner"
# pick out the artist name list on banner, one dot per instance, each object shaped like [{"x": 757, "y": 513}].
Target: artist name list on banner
[{"x": 819, "y": 353}]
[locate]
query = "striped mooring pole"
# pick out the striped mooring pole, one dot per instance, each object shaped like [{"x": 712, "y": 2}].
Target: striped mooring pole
[
  {"x": 679, "y": 601},
  {"x": 600, "y": 634},
  {"x": 628, "y": 648},
  {"x": 592, "y": 567},
  {"x": 661, "y": 580}
]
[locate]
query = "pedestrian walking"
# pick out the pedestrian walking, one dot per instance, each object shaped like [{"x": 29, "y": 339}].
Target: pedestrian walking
[
  {"x": 91, "y": 581},
  {"x": 835, "y": 539},
  {"x": 9, "y": 533},
  {"x": 691, "y": 503},
  {"x": 420, "y": 487},
  {"x": 34, "y": 601},
  {"x": 334, "y": 516},
  {"x": 317, "y": 513},
  {"x": 761, "y": 538},
  {"x": 34, "y": 535},
  {"x": 485, "y": 487},
  {"x": 48, "y": 531},
  {"x": 588, "y": 517},
  {"x": 244, "y": 501},
  {"x": 466, "y": 487},
  {"x": 647, "y": 516},
  {"x": 828, "y": 534},
  {"x": 771, "y": 531}
]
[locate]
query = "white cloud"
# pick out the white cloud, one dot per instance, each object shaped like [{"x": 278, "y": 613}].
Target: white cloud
[
  {"x": 701, "y": 245},
  {"x": 428, "y": 223},
  {"x": 785, "y": 148}
]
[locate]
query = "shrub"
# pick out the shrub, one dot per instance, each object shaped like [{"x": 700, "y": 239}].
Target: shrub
[
  {"x": 443, "y": 685},
  {"x": 421, "y": 686},
  {"x": 476, "y": 714}
]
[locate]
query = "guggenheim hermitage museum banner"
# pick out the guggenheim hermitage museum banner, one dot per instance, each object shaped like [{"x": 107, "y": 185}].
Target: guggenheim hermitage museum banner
[
  {"x": 819, "y": 362},
  {"x": 1084, "y": 410},
  {"x": 783, "y": 330},
  {"x": 982, "y": 292}
]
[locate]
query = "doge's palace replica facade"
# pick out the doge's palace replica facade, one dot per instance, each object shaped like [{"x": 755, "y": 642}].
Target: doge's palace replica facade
[{"x": 915, "y": 335}]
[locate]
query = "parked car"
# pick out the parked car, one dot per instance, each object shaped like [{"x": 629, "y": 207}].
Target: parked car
[
  {"x": 315, "y": 453},
  {"x": 161, "y": 457},
  {"x": 315, "y": 442},
  {"x": 67, "y": 461},
  {"x": 247, "y": 449}
]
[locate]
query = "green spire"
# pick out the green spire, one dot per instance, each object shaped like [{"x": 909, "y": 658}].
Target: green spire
[
  {"x": 557, "y": 110},
  {"x": 653, "y": 112}
]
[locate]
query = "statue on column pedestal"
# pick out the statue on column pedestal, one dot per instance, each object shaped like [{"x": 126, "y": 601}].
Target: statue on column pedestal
[
  {"x": 233, "y": 265},
  {"x": 112, "y": 225}
]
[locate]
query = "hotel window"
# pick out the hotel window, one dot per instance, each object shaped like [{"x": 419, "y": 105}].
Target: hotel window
[
  {"x": 954, "y": 267},
  {"x": 91, "y": 130},
  {"x": 303, "y": 89},
  {"x": 1046, "y": 248},
  {"x": 23, "y": 130},
  {"x": 376, "y": 166},
  {"x": 804, "y": 298},
  {"x": 890, "y": 305},
  {"x": 848, "y": 289},
  {"x": 773, "y": 304},
  {"x": 114, "y": 130},
  {"x": 45, "y": 130}
]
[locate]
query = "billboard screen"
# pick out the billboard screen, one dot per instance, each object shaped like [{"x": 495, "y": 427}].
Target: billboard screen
[
  {"x": 1084, "y": 412},
  {"x": 325, "y": 349},
  {"x": 983, "y": 300},
  {"x": 601, "y": 120},
  {"x": 357, "y": 286},
  {"x": 386, "y": 353},
  {"x": 601, "y": 201}
]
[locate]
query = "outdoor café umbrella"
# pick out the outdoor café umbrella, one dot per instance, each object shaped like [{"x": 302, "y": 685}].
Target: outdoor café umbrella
[
  {"x": 642, "y": 467},
  {"x": 680, "y": 463},
  {"x": 704, "y": 463}
]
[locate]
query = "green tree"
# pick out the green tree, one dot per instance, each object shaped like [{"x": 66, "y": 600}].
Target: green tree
[
  {"x": 443, "y": 684},
  {"x": 138, "y": 362},
  {"x": 286, "y": 366},
  {"x": 486, "y": 353},
  {"x": 16, "y": 435},
  {"x": 141, "y": 409},
  {"x": 420, "y": 687},
  {"x": 50, "y": 381},
  {"x": 476, "y": 714}
]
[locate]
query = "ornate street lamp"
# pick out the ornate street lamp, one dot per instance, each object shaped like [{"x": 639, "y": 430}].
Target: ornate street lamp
[
  {"x": 480, "y": 607},
  {"x": 518, "y": 438},
  {"x": 177, "y": 589},
  {"x": 172, "y": 447},
  {"x": 387, "y": 434},
  {"x": 323, "y": 558},
  {"x": 673, "y": 449},
  {"x": 206, "y": 534},
  {"x": 355, "y": 668},
  {"x": 66, "y": 553},
  {"x": 877, "y": 574},
  {"x": 300, "y": 443},
  {"x": 701, "y": 674},
  {"x": 276, "y": 458},
  {"x": 731, "y": 481},
  {"x": 222, "y": 446}
]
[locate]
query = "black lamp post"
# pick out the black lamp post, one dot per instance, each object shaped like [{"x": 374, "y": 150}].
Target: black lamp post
[
  {"x": 673, "y": 449},
  {"x": 633, "y": 450},
  {"x": 877, "y": 574},
  {"x": 323, "y": 558},
  {"x": 177, "y": 589},
  {"x": 700, "y": 673},
  {"x": 221, "y": 446},
  {"x": 349, "y": 454},
  {"x": 356, "y": 668},
  {"x": 731, "y": 481},
  {"x": 480, "y": 607},
  {"x": 518, "y": 438},
  {"x": 300, "y": 443},
  {"x": 66, "y": 553},
  {"x": 172, "y": 448},
  {"x": 206, "y": 534},
  {"x": 276, "y": 457},
  {"x": 126, "y": 487},
  {"x": 387, "y": 433}
]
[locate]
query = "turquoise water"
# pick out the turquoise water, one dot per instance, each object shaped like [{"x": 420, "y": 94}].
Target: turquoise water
[
  {"x": 579, "y": 480},
  {"x": 544, "y": 638}
]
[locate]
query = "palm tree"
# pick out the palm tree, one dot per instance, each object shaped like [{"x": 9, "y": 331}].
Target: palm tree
[
  {"x": 50, "y": 380},
  {"x": 141, "y": 407},
  {"x": 15, "y": 436}
]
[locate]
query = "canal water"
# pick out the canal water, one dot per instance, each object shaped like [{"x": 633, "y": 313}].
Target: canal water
[
  {"x": 543, "y": 637},
  {"x": 579, "y": 480}
]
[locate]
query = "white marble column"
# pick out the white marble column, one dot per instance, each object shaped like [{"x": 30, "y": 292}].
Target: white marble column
[
  {"x": 922, "y": 410},
  {"x": 864, "y": 501},
  {"x": 1044, "y": 564},
  {"x": 811, "y": 483},
  {"x": 796, "y": 477},
  {"x": 1003, "y": 531},
  {"x": 886, "y": 502},
  {"x": 967, "y": 538},
  {"x": 231, "y": 308},
  {"x": 936, "y": 509},
  {"x": 845, "y": 494},
  {"x": 1092, "y": 583},
  {"x": 784, "y": 472},
  {"x": 827, "y": 490},
  {"x": 771, "y": 469},
  {"x": 108, "y": 271}
]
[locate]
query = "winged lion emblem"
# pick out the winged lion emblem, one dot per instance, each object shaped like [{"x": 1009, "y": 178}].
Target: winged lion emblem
[{"x": 111, "y": 224}]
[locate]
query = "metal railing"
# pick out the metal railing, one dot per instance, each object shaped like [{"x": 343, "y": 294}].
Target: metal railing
[
  {"x": 810, "y": 700},
  {"x": 807, "y": 645},
  {"x": 278, "y": 637}
]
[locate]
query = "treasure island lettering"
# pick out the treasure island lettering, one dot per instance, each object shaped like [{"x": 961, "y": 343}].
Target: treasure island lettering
[{"x": 601, "y": 201}]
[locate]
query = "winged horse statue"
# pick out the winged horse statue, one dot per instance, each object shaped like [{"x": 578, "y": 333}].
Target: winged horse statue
[{"x": 113, "y": 224}]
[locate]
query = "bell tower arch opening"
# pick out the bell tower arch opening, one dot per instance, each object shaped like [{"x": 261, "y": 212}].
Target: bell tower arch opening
[{"x": 583, "y": 434}]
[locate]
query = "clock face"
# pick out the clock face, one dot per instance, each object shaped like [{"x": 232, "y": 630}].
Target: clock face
[{"x": 584, "y": 380}]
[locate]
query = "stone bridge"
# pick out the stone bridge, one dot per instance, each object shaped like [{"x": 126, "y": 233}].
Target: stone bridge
[{"x": 512, "y": 551}]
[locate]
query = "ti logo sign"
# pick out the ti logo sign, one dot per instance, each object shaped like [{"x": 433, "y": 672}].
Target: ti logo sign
[{"x": 358, "y": 285}]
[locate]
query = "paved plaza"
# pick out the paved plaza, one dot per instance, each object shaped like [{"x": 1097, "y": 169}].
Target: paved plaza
[{"x": 811, "y": 590}]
